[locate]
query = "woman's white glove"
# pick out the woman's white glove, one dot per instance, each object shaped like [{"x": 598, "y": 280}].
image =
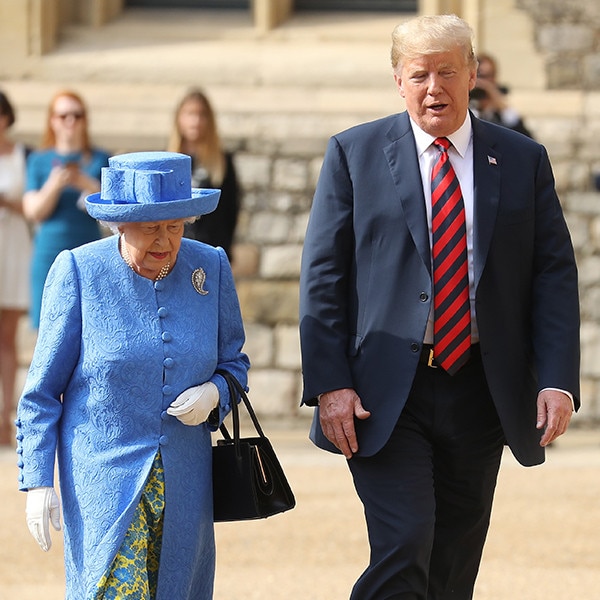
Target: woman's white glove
[
  {"x": 193, "y": 405},
  {"x": 42, "y": 508}
]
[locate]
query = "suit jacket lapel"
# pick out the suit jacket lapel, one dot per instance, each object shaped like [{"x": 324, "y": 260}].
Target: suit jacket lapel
[
  {"x": 487, "y": 170},
  {"x": 404, "y": 166}
]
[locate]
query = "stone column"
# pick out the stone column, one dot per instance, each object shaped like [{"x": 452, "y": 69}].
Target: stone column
[
  {"x": 27, "y": 29},
  {"x": 440, "y": 7},
  {"x": 98, "y": 12},
  {"x": 469, "y": 10},
  {"x": 268, "y": 14}
]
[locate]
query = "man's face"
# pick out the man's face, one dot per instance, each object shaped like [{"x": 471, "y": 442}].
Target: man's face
[{"x": 436, "y": 90}]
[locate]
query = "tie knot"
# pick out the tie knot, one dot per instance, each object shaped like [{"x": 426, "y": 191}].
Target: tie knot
[{"x": 442, "y": 143}]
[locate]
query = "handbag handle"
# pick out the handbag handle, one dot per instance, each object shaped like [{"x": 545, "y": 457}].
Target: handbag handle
[{"x": 236, "y": 390}]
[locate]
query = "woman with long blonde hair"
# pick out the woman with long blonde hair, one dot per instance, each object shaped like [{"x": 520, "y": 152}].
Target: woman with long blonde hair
[{"x": 195, "y": 134}]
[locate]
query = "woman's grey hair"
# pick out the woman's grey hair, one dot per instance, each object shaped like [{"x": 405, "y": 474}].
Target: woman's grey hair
[
  {"x": 114, "y": 226},
  {"x": 431, "y": 35}
]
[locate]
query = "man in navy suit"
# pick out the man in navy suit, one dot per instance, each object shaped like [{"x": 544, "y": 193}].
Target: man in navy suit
[{"x": 424, "y": 441}]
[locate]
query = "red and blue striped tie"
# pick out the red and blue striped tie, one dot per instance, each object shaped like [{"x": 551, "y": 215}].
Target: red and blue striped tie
[{"x": 452, "y": 315}]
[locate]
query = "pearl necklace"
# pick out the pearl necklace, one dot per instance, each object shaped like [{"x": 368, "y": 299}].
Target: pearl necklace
[{"x": 164, "y": 270}]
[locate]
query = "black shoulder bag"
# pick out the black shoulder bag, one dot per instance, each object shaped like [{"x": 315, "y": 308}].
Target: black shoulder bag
[{"x": 248, "y": 481}]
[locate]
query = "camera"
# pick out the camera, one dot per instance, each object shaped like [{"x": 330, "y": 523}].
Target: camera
[{"x": 477, "y": 94}]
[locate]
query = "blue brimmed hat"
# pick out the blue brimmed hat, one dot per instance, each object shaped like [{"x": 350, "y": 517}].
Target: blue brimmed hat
[{"x": 149, "y": 186}]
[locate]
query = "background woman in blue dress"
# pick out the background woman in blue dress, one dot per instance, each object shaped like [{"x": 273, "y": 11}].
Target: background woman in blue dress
[{"x": 59, "y": 176}]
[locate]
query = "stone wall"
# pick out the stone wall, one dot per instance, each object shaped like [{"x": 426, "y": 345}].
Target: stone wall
[
  {"x": 279, "y": 179},
  {"x": 568, "y": 34},
  {"x": 581, "y": 202}
]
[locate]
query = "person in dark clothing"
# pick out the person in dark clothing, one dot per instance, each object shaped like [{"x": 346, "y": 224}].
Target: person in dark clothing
[
  {"x": 489, "y": 98},
  {"x": 195, "y": 134}
]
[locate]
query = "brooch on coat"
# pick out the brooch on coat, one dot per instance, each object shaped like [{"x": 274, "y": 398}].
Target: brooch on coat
[{"x": 198, "y": 279}]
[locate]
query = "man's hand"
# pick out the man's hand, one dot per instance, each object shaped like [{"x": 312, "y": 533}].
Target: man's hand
[
  {"x": 338, "y": 409},
  {"x": 554, "y": 410}
]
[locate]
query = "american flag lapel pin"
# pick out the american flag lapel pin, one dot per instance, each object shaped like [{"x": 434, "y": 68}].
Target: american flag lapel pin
[{"x": 492, "y": 160}]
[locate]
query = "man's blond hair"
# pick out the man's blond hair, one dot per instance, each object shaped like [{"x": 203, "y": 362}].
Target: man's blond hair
[{"x": 431, "y": 35}]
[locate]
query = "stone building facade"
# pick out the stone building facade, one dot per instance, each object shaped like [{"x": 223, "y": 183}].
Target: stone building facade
[{"x": 568, "y": 35}]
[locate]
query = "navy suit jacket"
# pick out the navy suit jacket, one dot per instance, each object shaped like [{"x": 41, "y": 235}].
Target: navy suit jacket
[{"x": 366, "y": 287}]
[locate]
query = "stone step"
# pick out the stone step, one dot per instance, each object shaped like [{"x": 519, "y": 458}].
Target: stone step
[
  {"x": 141, "y": 115},
  {"x": 134, "y": 117},
  {"x": 317, "y": 74},
  {"x": 301, "y": 80}
]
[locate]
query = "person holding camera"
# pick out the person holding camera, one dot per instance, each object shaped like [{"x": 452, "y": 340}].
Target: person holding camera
[{"x": 488, "y": 98}]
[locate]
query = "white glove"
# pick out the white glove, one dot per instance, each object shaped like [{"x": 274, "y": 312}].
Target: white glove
[
  {"x": 42, "y": 507},
  {"x": 193, "y": 405}
]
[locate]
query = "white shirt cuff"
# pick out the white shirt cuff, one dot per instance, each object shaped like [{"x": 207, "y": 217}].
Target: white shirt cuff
[{"x": 564, "y": 392}]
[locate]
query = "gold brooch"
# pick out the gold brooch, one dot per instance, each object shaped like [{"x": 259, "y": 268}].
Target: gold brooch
[{"x": 198, "y": 279}]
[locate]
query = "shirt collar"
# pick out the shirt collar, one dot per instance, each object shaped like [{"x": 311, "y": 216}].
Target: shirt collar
[{"x": 460, "y": 138}]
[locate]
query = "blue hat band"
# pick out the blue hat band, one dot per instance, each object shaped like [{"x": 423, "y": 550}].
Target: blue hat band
[
  {"x": 149, "y": 186},
  {"x": 128, "y": 186}
]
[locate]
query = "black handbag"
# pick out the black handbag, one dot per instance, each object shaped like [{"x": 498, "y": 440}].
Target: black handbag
[{"x": 248, "y": 481}]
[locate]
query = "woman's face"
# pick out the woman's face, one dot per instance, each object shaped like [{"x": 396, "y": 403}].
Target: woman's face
[
  {"x": 67, "y": 120},
  {"x": 152, "y": 245},
  {"x": 192, "y": 121}
]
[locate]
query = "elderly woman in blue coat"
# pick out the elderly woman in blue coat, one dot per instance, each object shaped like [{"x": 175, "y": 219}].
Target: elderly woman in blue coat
[{"x": 122, "y": 389}]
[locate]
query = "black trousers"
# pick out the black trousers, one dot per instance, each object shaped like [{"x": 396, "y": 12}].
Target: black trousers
[{"x": 428, "y": 493}]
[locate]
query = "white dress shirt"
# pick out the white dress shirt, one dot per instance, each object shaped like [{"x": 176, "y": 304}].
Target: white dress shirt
[{"x": 460, "y": 154}]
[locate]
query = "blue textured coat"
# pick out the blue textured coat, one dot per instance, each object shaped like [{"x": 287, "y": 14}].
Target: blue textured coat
[{"x": 114, "y": 350}]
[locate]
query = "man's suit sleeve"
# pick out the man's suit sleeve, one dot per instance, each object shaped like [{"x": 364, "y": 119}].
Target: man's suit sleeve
[
  {"x": 555, "y": 316},
  {"x": 325, "y": 280}
]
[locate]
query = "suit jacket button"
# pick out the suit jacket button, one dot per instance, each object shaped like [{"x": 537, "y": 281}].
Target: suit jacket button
[
  {"x": 423, "y": 297},
  {"x": 415, "y": 347}
]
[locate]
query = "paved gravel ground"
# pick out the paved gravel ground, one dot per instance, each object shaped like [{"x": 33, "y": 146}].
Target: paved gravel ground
[{"x": 544, "y": 541}]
